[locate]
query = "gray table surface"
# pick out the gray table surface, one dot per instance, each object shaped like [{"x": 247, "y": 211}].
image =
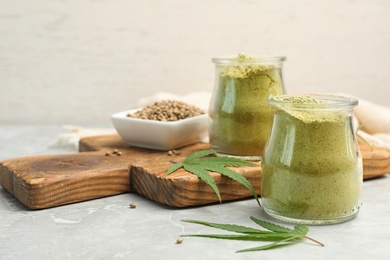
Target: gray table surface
[{"x": 108, "y": 229}]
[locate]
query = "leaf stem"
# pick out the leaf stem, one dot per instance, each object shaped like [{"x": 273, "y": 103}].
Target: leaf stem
[{"x": 315, "y": 241}]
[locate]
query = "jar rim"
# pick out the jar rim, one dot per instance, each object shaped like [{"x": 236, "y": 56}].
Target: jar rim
[
  {"x": 231, "y": 59},
  {"x": 327, "y": 101}
]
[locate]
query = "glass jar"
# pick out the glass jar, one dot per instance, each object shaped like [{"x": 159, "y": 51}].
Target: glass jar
[
  {"x": 312, "y": 170},
  {"x": 239, "y": 113}
]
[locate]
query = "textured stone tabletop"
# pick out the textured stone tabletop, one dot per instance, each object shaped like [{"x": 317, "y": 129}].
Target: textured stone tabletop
[{"x": 108, "y": 228}]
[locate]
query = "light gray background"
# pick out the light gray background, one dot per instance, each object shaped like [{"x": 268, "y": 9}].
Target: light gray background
[
  {"x": 106, "y": 228},
  {"x": 76, "y": 62}
]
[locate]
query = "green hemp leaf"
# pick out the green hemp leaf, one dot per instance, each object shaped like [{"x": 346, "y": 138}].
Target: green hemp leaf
[
  {"x": 279, "y": 236},
  {"x": 200, "y": 163}
]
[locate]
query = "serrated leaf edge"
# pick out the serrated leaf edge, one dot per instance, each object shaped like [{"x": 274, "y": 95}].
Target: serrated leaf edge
[
  {"x": 204, "y": 176},
  {"x": 198, "y": 154},
  {"x": 228, "y": 227},
  {"x": 174, "y": 168},
  {"x": 273, "y": 227}
]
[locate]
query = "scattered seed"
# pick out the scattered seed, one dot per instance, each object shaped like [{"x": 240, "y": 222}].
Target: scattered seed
[
  {"x": 173, "y": 152},
  {"x": 133, "y": 205},
  {"x": 179, "y": 240},
  {"x": 115, "y": 151}
]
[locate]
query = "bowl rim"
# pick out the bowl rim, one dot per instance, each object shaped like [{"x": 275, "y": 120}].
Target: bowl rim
[{"x": 123, "y": 116}]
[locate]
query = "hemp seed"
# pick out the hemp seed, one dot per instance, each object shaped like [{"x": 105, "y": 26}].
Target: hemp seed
[
  {"x": 167, "y": 111},
  {"x": 179, "y": 240},
  {"x": 173, "y": 152}
]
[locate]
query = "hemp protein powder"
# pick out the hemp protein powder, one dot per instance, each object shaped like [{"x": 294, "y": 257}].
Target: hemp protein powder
[
  {"x": 312, "y": 169},
  {"x": 240, "y": 116}
]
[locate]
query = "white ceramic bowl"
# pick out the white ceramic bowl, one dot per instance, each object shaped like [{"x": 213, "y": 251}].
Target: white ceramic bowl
[{"x": 159, "y": 135}]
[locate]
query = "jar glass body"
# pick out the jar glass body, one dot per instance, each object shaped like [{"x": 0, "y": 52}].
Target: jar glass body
[
  {"x": 239, "y": 113},
  {"x": 312, "y": 169}
]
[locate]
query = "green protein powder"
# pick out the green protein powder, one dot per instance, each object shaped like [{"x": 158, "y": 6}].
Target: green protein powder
[
  {"x": 312, "y": 169},
  {"x": 240, "y": 116}
]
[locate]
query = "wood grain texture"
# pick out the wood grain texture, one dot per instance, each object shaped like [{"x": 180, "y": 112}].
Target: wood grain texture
[
  {"x": 51, "y": 180},
  {"x": 180, "y": 189},
  {"x": 376, "y": 161}
]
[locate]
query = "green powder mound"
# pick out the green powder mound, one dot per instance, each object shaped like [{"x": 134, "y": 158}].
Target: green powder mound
[
  {"x": 240, "y": 114},
  {"x": 318, "y": 114},
  {"x": 245, "y": 71},
  {"x": 304, "y": 99},
  {"x": 311, "y": 166}
]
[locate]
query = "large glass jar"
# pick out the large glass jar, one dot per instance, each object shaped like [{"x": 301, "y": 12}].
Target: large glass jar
[
  {"x": 312, "y": 169},
  {"x": 239, "y": 113}
]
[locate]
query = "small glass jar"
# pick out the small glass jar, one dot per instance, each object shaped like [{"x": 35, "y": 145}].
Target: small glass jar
[
  {"x": 312, "y": 170},
  {"x": 239, "y": 113}
]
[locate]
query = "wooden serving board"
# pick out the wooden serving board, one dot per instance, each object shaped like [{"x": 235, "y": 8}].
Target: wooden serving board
[{"x": 46, "y": 181}]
